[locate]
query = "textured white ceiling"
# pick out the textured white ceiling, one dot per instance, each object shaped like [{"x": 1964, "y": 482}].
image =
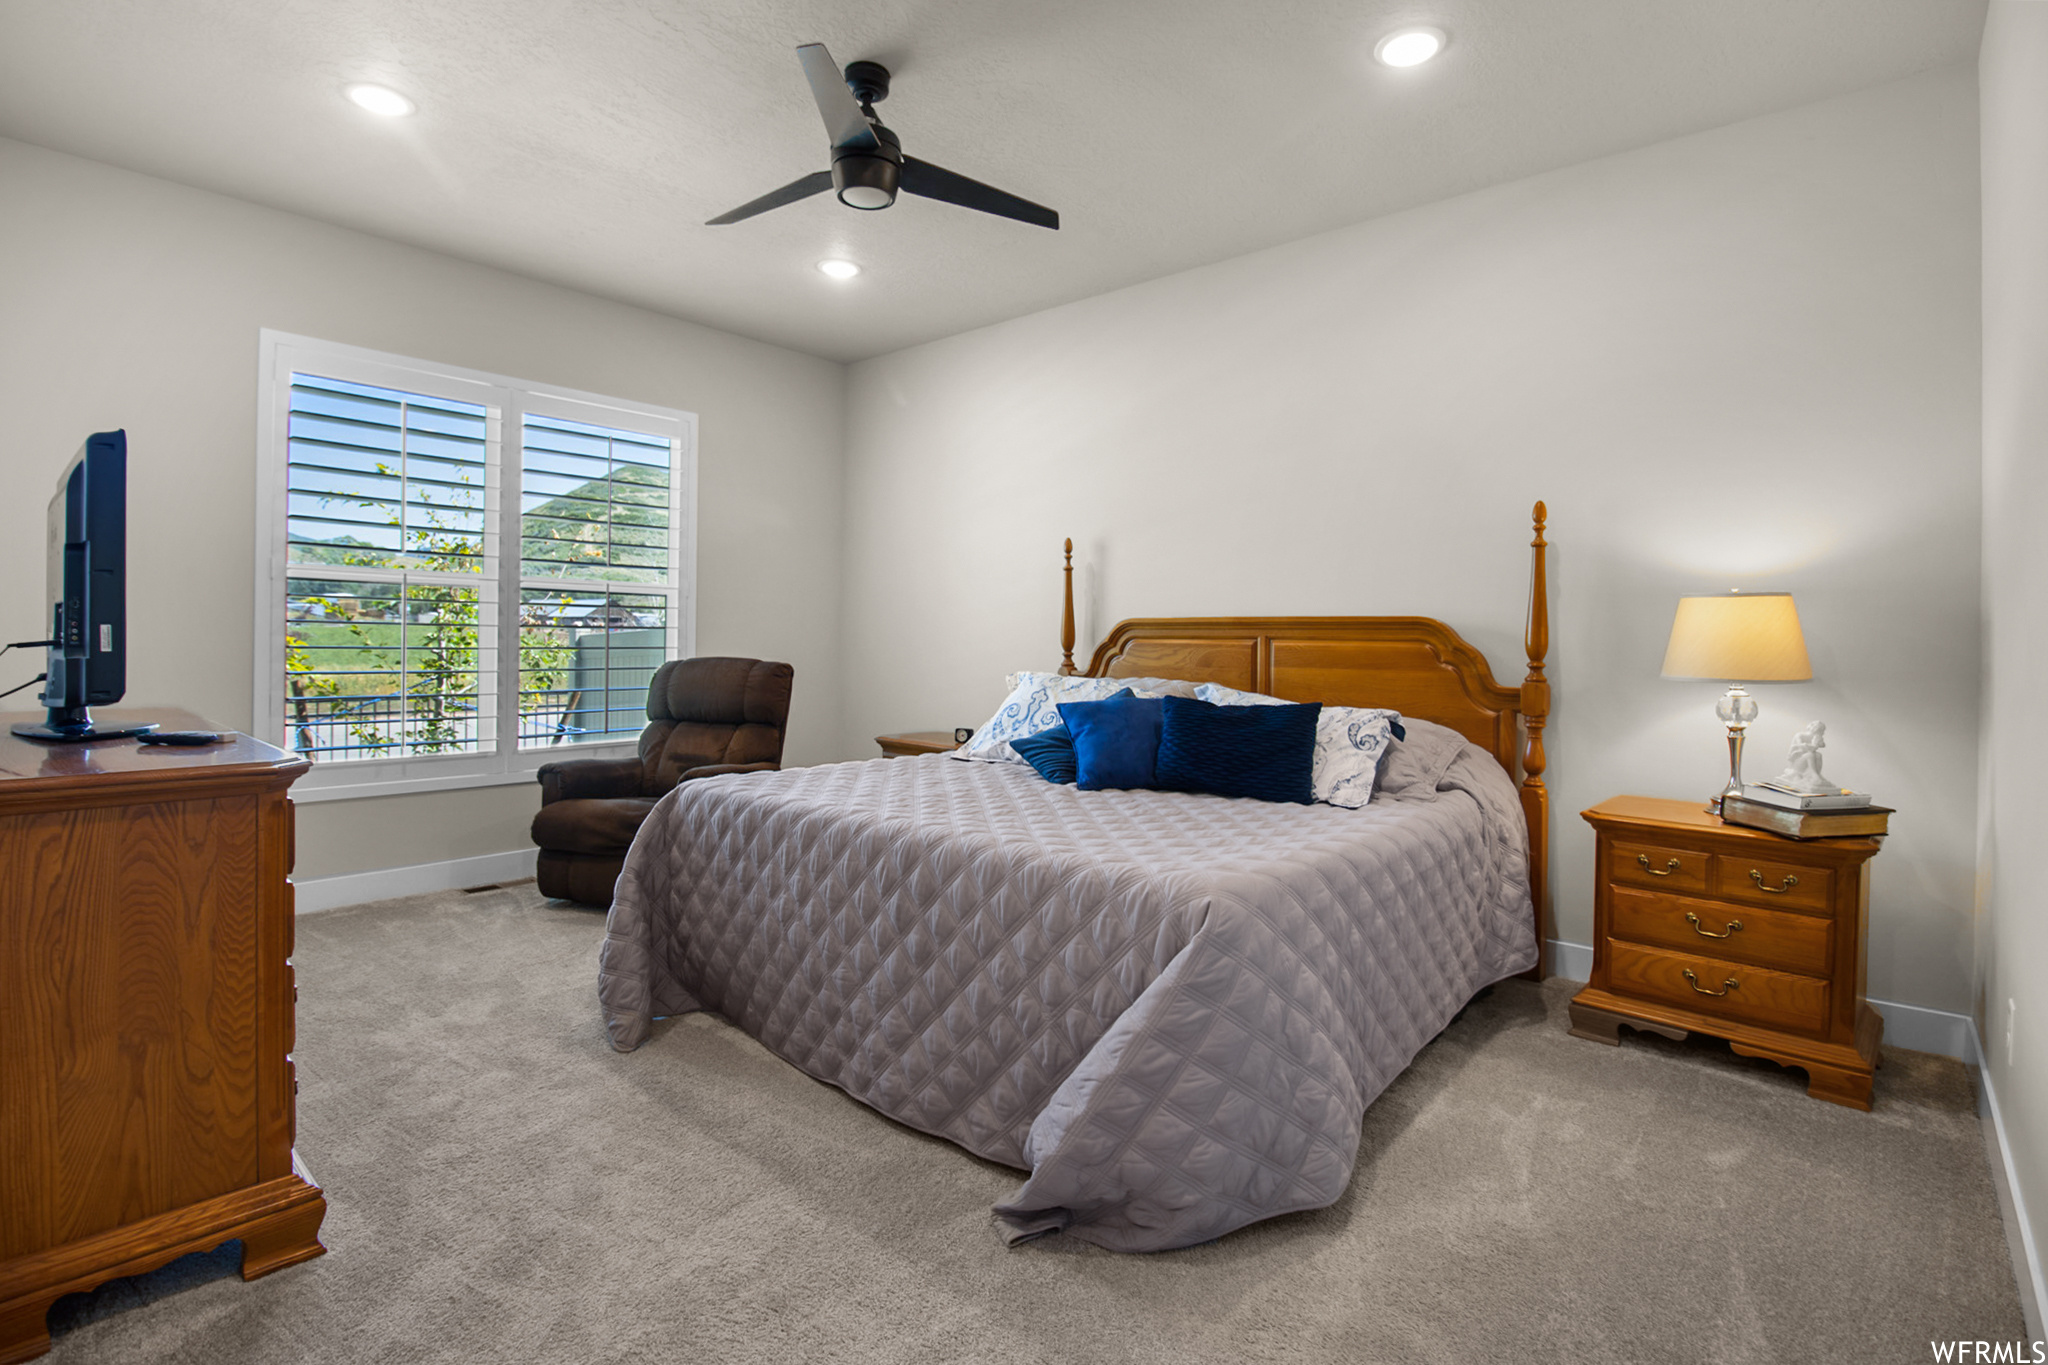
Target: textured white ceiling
[{"x": 586, "y": 141}]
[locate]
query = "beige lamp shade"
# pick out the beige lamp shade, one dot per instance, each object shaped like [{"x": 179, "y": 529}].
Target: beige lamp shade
[{"x": 1740, "y": 637}]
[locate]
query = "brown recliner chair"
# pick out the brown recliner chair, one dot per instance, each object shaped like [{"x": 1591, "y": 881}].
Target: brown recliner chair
[{"x": 704, "y": 716}]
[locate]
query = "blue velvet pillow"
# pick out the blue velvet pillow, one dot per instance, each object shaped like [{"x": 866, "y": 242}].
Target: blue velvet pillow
[
  {"x": 1116, "y": 740},
  {"x": 1267, "y": 753},
  {"x": 1049, "y": 751}
]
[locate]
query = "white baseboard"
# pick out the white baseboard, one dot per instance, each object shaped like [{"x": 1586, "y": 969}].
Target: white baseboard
[
  {"x": 1925, "y": 1030},
  {"x": 355, "y": 888},
  {"x": 1910, "y": 1026},
  {"x": 1572, "y": 961},
  {"x": 2019, "y": 1229}
]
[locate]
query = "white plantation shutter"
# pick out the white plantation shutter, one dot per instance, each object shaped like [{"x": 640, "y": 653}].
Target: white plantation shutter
[
  {"x": 391, "y": 603},
  {"x": 597, "y": 577},
  {"x": 440, "y": 549}
]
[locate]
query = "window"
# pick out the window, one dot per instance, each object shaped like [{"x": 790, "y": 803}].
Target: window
[
  {"x": 392, "y": 564},
  {"x": 440, "y": 608},
  {"x": 595, "y": 529}
]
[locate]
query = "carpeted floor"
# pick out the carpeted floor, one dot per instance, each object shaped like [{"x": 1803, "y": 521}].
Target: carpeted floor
[{"x": 504, "y": 1187}]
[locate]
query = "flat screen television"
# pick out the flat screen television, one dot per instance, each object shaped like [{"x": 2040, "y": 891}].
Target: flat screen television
[{"x": 88, "y": 594}]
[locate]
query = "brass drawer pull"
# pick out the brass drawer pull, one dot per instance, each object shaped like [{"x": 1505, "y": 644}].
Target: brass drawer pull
[
  {"x": 1726, "y": 986},
  {"x": 1734, "y": 925},
  {"x": 1758, "y": 877},
  {"x": 1669, "y": 867}
]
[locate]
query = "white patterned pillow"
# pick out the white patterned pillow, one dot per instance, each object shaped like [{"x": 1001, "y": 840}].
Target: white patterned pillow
[
  {"x": 1350, "y": 741},
  {"x": 1033, "y": 706}
]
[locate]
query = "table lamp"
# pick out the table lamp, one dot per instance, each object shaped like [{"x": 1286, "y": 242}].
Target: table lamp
[{"x": 1737, "y": 638}]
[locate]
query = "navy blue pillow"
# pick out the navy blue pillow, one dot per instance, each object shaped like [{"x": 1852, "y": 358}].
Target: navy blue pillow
[
  {"x": 1267, "y": 753},
  {"x": 1049, "y": 751},
  {"x": 1116, "y": 740}
]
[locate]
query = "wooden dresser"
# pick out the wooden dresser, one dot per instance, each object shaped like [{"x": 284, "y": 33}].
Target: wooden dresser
[
  {"x": 1700, "y": 926},
  {"x": 146, "y": 998}
]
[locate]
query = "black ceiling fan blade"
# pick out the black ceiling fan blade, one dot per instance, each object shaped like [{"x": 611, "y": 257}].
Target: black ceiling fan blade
[
  {"x": 844, "y": 122},
  {"x": 936, "y": 182},
  {"x": 817, "y": 182}
]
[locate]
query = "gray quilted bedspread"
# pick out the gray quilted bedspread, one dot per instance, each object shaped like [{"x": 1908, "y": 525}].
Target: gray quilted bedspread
[{"x": 1171, "y": 1010}]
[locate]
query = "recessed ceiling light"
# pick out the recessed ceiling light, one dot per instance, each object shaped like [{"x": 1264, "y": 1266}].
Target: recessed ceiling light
[
  {"x": 839, "y": 270},
  {"x": 381, "y": 99},
  {"x": 1410, "y": 46}
]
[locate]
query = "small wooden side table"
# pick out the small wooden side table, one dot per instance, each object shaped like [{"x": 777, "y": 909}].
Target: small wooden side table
[
  {"x": 1701, "y": 926},
  {"x": 914, "y": 742}
]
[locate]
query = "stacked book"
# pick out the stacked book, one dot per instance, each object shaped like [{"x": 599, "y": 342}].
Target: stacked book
[{"x": 1801, "y": 815}]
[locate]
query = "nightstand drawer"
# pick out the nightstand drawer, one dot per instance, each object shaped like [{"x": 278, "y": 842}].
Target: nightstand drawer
[
  {"x": 1758, "y": 995},
  {"x": 1779, "y": 885},
  {"x": 1666, "y": 869},
  {"x": 1767, "y": 938}
]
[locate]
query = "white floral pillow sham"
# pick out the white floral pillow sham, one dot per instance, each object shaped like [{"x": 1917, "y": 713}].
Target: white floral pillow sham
[
  {"x": 1033, "y": 707},
  {"x": 1350, "y": 741}
]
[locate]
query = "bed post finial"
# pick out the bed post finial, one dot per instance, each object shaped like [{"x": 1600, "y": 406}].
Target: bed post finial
[
  {"x": 1067, "y": 622},
  {"x": 1535, "y": 715}
]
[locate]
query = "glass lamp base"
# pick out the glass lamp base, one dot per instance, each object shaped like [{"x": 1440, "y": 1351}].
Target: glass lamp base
[{"x": 1736, "y": 710}]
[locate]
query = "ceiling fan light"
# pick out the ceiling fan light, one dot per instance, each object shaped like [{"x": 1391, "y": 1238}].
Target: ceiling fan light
[
  {"x": 866, "y": 197},
  {"x": 1409, "y": 46},
  {"x": 865, "y": 182}
]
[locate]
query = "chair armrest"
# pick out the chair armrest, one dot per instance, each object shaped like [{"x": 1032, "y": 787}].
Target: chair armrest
[
  {"x": 581, "y": 778},
  {"x": 714, "y": 769}
]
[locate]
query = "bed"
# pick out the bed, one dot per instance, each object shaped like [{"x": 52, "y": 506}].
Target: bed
[{"x": 1171, "y": 1010}]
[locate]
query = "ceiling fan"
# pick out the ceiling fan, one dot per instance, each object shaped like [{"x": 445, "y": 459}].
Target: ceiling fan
[{"x": 868, "y": 164}]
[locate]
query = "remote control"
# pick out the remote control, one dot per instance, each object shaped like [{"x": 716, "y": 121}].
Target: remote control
[{"x": 182, "y": 737}]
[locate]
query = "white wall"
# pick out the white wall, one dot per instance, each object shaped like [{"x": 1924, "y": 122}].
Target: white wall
[
  {"x": 1744, "y": 358},
  {"x": 2014, "y": 928},
  {"x": 129, "y": 301}
]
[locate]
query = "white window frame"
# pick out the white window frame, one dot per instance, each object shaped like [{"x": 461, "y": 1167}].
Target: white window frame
[{"x": 507, "y": 400}]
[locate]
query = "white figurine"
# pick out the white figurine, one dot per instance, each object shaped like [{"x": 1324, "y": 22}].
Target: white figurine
[{"x": 1802, "y": 768}]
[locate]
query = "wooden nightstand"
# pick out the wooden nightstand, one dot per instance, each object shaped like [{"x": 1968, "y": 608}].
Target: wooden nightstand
[
  {"x": 915, "y": 742},
  {"x": 1700, "y": 926}
]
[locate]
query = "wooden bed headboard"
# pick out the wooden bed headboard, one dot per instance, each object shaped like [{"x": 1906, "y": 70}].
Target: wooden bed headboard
[{"x": 1411, "y": 664}]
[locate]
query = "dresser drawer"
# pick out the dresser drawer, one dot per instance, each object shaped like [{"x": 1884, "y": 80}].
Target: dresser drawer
[
  {"x": 1758, "y": 995},
  {"x": 1778, "y": 885},
  {"x": 1766, "y": 938},
  {"x": 1667, "y": 869}
]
